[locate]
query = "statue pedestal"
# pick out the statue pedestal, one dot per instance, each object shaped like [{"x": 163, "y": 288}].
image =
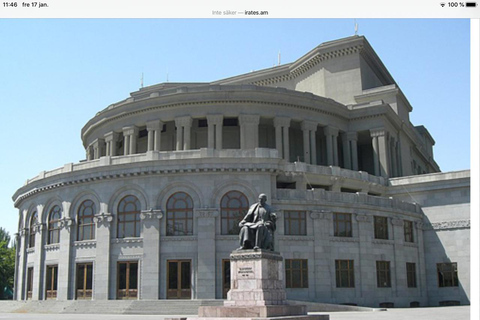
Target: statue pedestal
[{"x": 257, "y": 290}]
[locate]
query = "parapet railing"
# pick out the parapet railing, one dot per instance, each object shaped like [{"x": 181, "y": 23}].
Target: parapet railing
[
  {"x": 265, "y": 153},
  {"x": 156, "y": 155}
]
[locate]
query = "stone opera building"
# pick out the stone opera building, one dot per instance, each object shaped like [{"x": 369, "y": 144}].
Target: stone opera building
[{"x": 365, "y": 217}]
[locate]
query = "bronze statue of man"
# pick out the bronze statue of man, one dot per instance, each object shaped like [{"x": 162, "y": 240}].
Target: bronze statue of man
[{"x": 257, "y": 226}]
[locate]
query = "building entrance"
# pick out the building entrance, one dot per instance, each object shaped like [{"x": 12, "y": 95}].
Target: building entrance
[{"x": 179, "y": 279}]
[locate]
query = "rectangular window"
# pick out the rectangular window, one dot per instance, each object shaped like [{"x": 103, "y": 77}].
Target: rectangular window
[
  {"x": 383, "y": 274},
  {"x": 447, "y": 274},
  {"x": 381, "y": 227},
  {"x": 411, "y": 275},
  {"x": 344, "y": 274},
  {"x": 29, "y": 282},
  {"x": 296, "y": 273},
  {"x": 408, "y": 230},
  {"x": 84, "y": 280},
  {"x": 51, "y": 282},
  {"x": 342, "y": 224},
  {"x": 127, "y": 280},
  {"x": 295, "y": 223}
]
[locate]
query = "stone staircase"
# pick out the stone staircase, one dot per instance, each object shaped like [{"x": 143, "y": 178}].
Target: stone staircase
[{"x": 152, "y": 307}]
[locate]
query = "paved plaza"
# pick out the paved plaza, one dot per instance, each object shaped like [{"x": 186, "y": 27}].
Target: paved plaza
[{"x": 438, "y": 313}]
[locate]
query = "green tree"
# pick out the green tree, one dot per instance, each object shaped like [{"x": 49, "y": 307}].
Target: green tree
[
  {"x": 7, "y": 264},
  {"x": 4, "y": 236}
]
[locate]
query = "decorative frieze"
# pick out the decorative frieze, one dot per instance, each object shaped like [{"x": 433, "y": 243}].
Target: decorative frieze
[
  {"x": 127, "y": 240},
  {"x": 255, "y": 255},
  {"x": 103, "y": 219},
  {"x": 52, "y": 247},
  {"x": 361, "y": 217},
  {"x": 179, "y": 238},
  {"x": 39, "y": 227},
  {"x": 320, "y": 214},
  {"x": 151, "y": 214},
  {"x": 378, "y": 132},
  {"x": 207, "y": 213},
  {"x": 67, "y": 223},
  {"x": 445, "y": 225},
  {"x": 86, "y": 244}
]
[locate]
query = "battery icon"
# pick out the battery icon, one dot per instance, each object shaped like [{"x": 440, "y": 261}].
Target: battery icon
[{"x": 471, "y": 4}]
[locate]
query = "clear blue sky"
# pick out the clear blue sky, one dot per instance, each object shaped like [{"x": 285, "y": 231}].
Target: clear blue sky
[{"x": 56, "y": 74}]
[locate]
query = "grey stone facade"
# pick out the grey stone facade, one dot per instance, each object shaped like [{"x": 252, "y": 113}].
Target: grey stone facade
[{"x": 326, "y": 137}]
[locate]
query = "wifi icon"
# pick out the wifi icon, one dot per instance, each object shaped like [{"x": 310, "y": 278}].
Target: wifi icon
[{"x": 442, "y": 4}]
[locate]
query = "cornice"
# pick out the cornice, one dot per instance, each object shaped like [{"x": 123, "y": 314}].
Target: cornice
[
  {"x": 103, "y": 117},
  {"x": 255, "y": 255},
  {"x": 135, "y": 173}
]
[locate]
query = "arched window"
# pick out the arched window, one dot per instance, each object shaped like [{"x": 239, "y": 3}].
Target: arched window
[
  {"x": 86, "y": 226},
  {"x": 180, "y": 215},
  {"x": 128, "y": 217},
  {"x": 234, "y": 206},
  {"x": 31, "y": 235},
  {"x": 54, "y": 225}
]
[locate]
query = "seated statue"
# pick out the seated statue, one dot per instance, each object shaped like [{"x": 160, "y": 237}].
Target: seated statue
[{"x": 257, "y": 226}]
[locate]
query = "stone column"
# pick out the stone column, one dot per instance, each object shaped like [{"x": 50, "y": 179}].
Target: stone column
[
  {"x": 206, "y": 259},
  {"x": 183, "y": 125},
  {"x": 151, "y": 253},
  {"x": 64, "y": 267},
  {"x": 350, "y": 154},
  {"x": 331, "y": 135},
  {"x": 323, "y": 281},
  {"x": 111, "y": 140},
  {"x": 352, "y": 138},
  {"x": 215, "y": 128},
  {"x": 103, "y": 221},
  {"x": 279, "y": 140},
  {"x": 309, "y": 141},
  {"x": 21, "y": 254},
  {"x": 421, "y": 275},
  {"x": 286, "y": 144},
  {"x": 39, "y": 263},
  {"x": 90, "y": 154},
  {"x": 98, "y": 147},
  {"x": 364, "y": 282},
  {"x": 398, "y": 263},
  {"x": 394, "y": 157},
  {"x": 380, "y": 151},
  {"x": 306, "y": 145},
  {"x": 347, "y": 157},
  {"x": 154, "y": 129},
  {"x": 130, "y": 140},
  {"x": 376, "y": 164},
  {"x": 281, "y": 125},
  {"x": 249, "y": 131}
]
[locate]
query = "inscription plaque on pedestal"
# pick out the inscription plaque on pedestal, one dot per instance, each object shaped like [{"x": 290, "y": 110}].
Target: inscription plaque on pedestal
[{"x": 257, "y": 290}]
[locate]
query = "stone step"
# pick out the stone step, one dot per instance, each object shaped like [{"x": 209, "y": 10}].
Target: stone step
[{"x": 160, "y": 307}]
